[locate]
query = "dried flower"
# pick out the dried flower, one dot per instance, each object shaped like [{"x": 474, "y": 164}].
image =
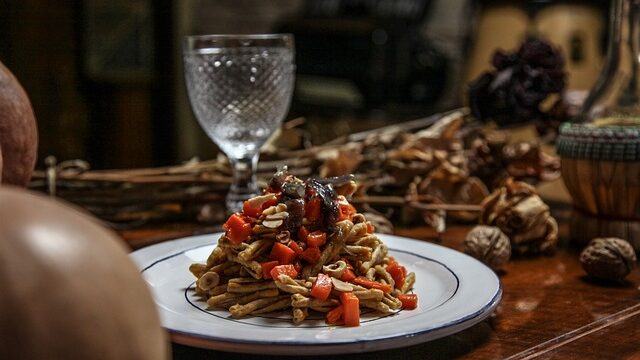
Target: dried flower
[
  {"x": 342, "y": 161},
  {"x": 492, "y": 159},
  {"x": 522, "y": 215},
  {"x": 521, "y": 81}
]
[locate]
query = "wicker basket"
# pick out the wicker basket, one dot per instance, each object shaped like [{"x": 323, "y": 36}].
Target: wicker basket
[{"x": 601, "y": 170}]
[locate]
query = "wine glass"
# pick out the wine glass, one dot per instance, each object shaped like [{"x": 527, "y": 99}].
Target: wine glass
[{"x": 240, "y": 89}]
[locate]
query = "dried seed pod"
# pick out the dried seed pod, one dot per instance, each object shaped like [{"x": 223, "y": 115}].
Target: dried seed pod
[
  {"x": 521, "y": 214},
  {"x": 489, "y": 245},
  {"x": 608, "y": 258}
]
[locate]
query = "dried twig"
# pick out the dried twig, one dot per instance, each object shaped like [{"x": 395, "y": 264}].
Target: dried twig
[{"x": 408, "y": 165}]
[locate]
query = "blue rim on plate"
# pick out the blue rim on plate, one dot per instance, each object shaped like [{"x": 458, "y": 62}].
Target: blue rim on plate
[{"x": 455, "y": 293}]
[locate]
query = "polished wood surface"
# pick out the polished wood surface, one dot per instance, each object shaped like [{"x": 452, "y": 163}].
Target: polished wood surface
[{"x": 549, "y": 309}]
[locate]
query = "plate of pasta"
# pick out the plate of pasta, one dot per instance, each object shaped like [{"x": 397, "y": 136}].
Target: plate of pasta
[{"x": 299, "y": 270}]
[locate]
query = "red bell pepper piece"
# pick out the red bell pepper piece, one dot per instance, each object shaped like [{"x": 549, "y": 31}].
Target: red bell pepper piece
[
  {"x": 346, "y": 211},
  {"x": 267, "y": 266},
  {"x": 351, "y": 311},
  {"x": 317, "y": 238},
  {"x": 369, "y": 284},
  {"x": 238, "y": 230},
  {"x": 321, "y": 288},
  {"x": 255, "y": 212},
  {"x": 289, "y": 270},
  {"x": 348, "y": 275},
  {"x": 335, "y": 315},
  {"x": 398, "y": 273},
  {"x": 251, "y": 211},
  {"x": 282, "y": 253},
  {"x": 311, "y": 254},
  {"x": 370, "y": 228},
  {"x": 312, "y": 209},
  {"x": 409, "y": 301},
  {"x": 303, "y": 233},
  {"x": 272, "y": 202},
  {"x": 296, "y": 248}
]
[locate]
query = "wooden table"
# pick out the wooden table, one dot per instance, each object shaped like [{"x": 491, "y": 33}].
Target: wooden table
[{"x": 549, "y": 309}]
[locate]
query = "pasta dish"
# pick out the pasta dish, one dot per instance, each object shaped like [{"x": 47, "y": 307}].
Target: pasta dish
[{"x": 301, "y": 247}]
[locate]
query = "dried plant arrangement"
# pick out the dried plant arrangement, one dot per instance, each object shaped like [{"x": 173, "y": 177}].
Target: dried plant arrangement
[{"x": 418, "y": 171}]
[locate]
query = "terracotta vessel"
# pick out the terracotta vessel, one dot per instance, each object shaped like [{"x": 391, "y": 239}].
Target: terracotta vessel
[{"x": 18, "y": 131}]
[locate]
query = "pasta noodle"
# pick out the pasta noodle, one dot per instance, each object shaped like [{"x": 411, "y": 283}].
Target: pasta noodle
[{"x": 302, "y": 246}]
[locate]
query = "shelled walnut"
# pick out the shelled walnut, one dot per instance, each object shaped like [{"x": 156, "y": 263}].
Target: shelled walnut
[
  {"x": 489, "y": 245},
  {"x": 608, "y": 258}
]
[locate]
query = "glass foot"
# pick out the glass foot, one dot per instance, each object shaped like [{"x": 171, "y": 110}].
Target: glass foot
[
  {"x": 244, "y": 182},
  {"x": 235, "y": 200}
]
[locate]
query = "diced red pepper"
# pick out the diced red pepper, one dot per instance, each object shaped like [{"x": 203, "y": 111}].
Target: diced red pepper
[
  {"x": 321, "y": 288},
  {"x": 297, "y": 265},
  {"x": 392, "y": 261},
  {"x": 351, "y": 311},
  {"x": 369, "y": 284},
  {"x": 312, "y": 209},
  {"x": 282, "y": 253},
  {"x": 251, "y": 211},
  {"x": 238, "y": 230},
  {"x": 398, "y": 273},
  {"x": 335, "y": 315},
  {"x": 289, "y": 270},
  {"x": 311, "y": 254},
  {"x": 272, "y": 202},
  {"x": 267, "y": 266},
  {"x": 370, "y": 228},
  {"x": 409, "y": 301},
  {"x": 346, "y": 211},
  {"x": 348, "y": 275},
  {"x": 295, "y": 247},
  {"x": 303, "y": 233},
  {"x": 255, "y": 212},
  {"x": 317, "y": 238},
  {"x": 234, "y": 220}
]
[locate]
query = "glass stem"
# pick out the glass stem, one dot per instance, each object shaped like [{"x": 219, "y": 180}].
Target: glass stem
[{"x": 244, "y": 181}]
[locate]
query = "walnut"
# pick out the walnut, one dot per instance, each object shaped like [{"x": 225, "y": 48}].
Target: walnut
[
  {"x": 489, "y": 245},
  {"x": 521, "y": 214},
  {"x": 608, "y": 258}
]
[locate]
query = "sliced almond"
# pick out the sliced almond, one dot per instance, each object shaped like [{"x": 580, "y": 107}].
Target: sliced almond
[
  {"x": 256, "y": 202},
  {"x": 341, "y": 285},
  {"x": 278, "y": 216},
  {"x": 272, "y": 224}
]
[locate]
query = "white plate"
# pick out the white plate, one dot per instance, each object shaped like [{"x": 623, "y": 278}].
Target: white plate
[{"x": 454, "y": 290}]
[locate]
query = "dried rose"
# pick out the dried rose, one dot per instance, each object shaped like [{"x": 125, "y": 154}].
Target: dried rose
[{"x": 521, "y": 81}]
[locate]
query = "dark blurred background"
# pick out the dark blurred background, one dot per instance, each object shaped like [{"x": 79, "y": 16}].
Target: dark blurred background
[{"x": 105, "y": 77}]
